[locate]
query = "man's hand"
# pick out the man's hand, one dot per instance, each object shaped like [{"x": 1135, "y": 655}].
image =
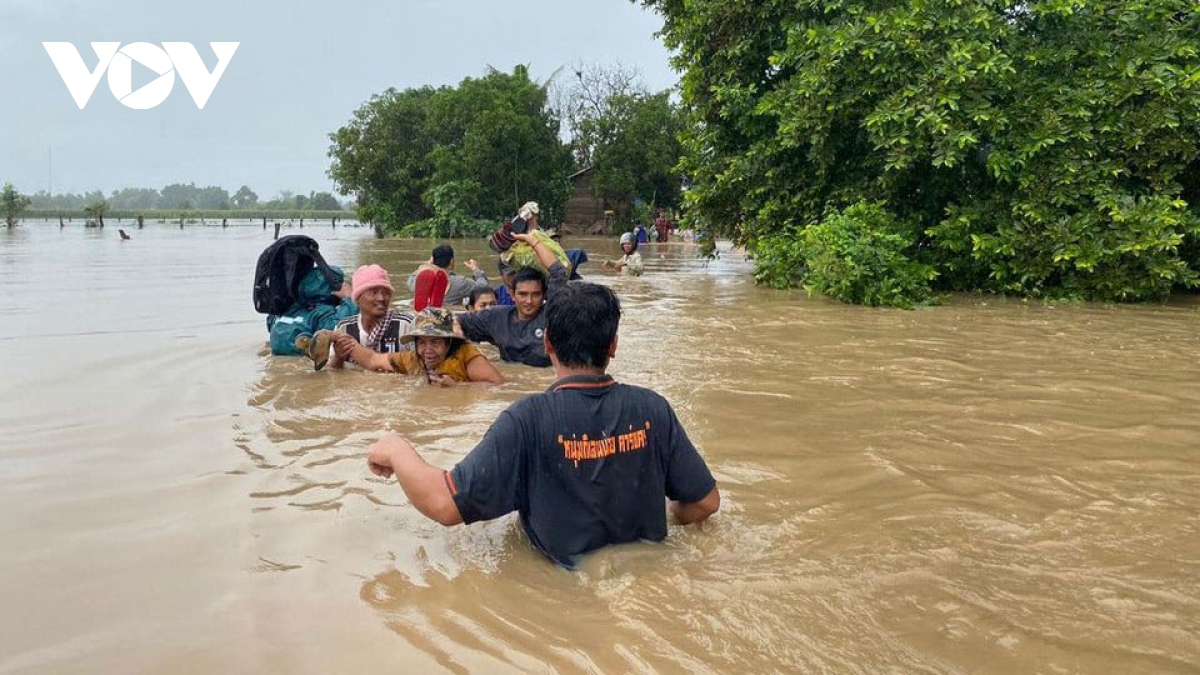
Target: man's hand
[
  {"x": 382, "y": 454},
  {"x": 472, "y": 265},
  {"x": 525, "y": 237},
  {"x": 343, "y": 345}
]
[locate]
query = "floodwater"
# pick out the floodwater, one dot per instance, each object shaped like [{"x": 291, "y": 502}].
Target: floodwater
[{"x": 989, "y": 486}]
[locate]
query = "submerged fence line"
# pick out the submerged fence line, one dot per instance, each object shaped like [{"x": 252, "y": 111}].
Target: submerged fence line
[{"x": 188, "y": 214}]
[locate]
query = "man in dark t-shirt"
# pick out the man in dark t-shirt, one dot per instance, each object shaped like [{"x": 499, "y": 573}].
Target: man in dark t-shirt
[
  {"x": 586, "y": 464},
  {"x": 517, "y": 329}
]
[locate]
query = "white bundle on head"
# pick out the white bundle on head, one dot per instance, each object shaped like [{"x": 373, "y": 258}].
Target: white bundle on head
[{"x": 529, "y": 210}]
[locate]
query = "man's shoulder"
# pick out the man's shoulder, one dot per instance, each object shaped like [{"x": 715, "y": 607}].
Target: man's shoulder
[
  {"x": 641, "y": 394},
  {"x": 346, "y": 323}
]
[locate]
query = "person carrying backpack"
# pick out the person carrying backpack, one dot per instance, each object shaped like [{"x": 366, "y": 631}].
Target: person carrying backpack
[{"x": 300, "y": 294}]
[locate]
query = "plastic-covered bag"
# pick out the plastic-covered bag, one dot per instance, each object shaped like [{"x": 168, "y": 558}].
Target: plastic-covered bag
[
  {"x": 522, "y": 254},
  {"x": 303, "y": 321}
]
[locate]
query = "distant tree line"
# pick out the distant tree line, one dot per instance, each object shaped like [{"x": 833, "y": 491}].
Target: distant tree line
[{"x": 180, "y": 197}]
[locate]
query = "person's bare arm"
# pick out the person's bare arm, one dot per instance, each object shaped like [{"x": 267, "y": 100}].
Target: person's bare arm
[
  {"x": 370, "y": 359},
  {"x": 423, "y": 484},
  {"x": 479, "y": 369},
  {"x": 695, "y": 512},
  {"x": 342, "y": 345}
]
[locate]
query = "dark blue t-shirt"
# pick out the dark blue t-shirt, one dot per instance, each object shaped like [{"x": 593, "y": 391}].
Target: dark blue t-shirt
[{"x": 586, "y": 464}]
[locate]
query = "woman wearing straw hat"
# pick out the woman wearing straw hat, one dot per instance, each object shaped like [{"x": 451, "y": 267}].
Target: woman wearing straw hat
[{"x": 444, "y": 358}]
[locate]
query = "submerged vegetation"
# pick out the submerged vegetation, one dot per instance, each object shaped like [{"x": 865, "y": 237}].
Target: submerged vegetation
[{"x": 13, "y": 204}]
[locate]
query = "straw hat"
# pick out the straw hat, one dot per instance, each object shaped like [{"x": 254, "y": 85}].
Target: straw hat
[{"x": 432, "y": 322}]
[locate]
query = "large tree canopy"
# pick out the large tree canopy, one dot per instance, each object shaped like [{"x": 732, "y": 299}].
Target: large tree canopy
[
  {"x": 1039, "y": 147},
  {"x": 439, "y": 155},
  {"x": 636, "y": 150}
]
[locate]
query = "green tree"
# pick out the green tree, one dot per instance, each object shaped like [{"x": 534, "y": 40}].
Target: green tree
[
  {"x": 495, "y": 131},
  {"x": 1037, "y": 147},
  {"x": 324, "y": 201},
  {"x": 95, "y": 212},
  {"x": 13, "y": 204},
  {"x": 244, "y": 198},
  {"x": 636, "y": 149}
]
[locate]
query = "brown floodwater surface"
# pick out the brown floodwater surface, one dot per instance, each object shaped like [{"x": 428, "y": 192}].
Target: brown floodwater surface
[{"x": 988, "y": 486}]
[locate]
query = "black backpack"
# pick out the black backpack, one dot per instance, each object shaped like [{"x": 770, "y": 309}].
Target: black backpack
[{"x": 281, "y": 267}]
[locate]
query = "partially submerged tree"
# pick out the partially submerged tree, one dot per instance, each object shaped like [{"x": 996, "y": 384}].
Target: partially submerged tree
[
  {"x": 95, "y": 212},
  {"x": 1042, "y": 148},
  {"x": 495, "y": 131},
  {"x": 13, "y": 204}
]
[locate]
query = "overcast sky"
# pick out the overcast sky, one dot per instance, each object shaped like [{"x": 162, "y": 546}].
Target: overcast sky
[{"x": 300, "y": 71}]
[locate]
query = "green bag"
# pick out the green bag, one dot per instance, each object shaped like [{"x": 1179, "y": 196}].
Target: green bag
[{"x": 522, "y": 254}]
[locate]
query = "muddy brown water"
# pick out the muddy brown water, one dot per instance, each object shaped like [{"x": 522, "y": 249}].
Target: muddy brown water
[{"x": 989, "y": 486}]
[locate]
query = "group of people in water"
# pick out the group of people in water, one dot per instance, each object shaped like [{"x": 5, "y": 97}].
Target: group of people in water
[
  {"x": 437, "y": 343},
  {"x": 587, "y": 463}
]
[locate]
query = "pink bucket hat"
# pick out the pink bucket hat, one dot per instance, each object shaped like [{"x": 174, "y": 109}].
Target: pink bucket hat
[{"x": 368, "y": 277}]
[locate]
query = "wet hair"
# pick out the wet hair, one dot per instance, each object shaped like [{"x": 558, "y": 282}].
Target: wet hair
[
  {"x": 530, "y": 274},
  {"x": 476, "y": 293},
  {"x": 443, "y": 254},
  {"x": 581, "y": 322}
]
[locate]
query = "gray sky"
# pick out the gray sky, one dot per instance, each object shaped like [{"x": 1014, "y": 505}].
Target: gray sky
[{"x": 302, "y": 68}]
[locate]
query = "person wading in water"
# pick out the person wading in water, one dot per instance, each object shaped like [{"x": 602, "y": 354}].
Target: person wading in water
[{"x": 586, "y": 464}]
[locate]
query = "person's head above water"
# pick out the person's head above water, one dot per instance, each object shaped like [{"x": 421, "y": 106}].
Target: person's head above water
[
  {"x": 480, "y": 298},
  {"x": 529, "y": 290},
  {"x": 433, "y": 333},
  {"x": 581, "y": 326},
  {"x": 443, "y": 256},
  {"x": 372, "y": 290},
  {"x": 628, "y": 242}
]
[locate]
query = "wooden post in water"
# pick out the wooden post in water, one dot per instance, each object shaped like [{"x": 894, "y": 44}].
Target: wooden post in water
[
  {"x": 264, "y": 223},
  {"x": 224, "y": 223},
  {"x": 333, "y": 222},
  {"x": 141, "y": 222},
  {"x": 277, "y": 224},
  {"x": 302, "y": 223},
  {"x": 61, "y": 224},
  {"x": 181, "y": 222}
]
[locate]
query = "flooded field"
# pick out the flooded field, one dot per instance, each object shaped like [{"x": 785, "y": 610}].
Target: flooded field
[{"x": 989, "y": 486}]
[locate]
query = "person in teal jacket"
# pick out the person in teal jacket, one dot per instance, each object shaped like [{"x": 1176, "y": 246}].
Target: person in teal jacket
[{"x": 319, "y": 307}]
